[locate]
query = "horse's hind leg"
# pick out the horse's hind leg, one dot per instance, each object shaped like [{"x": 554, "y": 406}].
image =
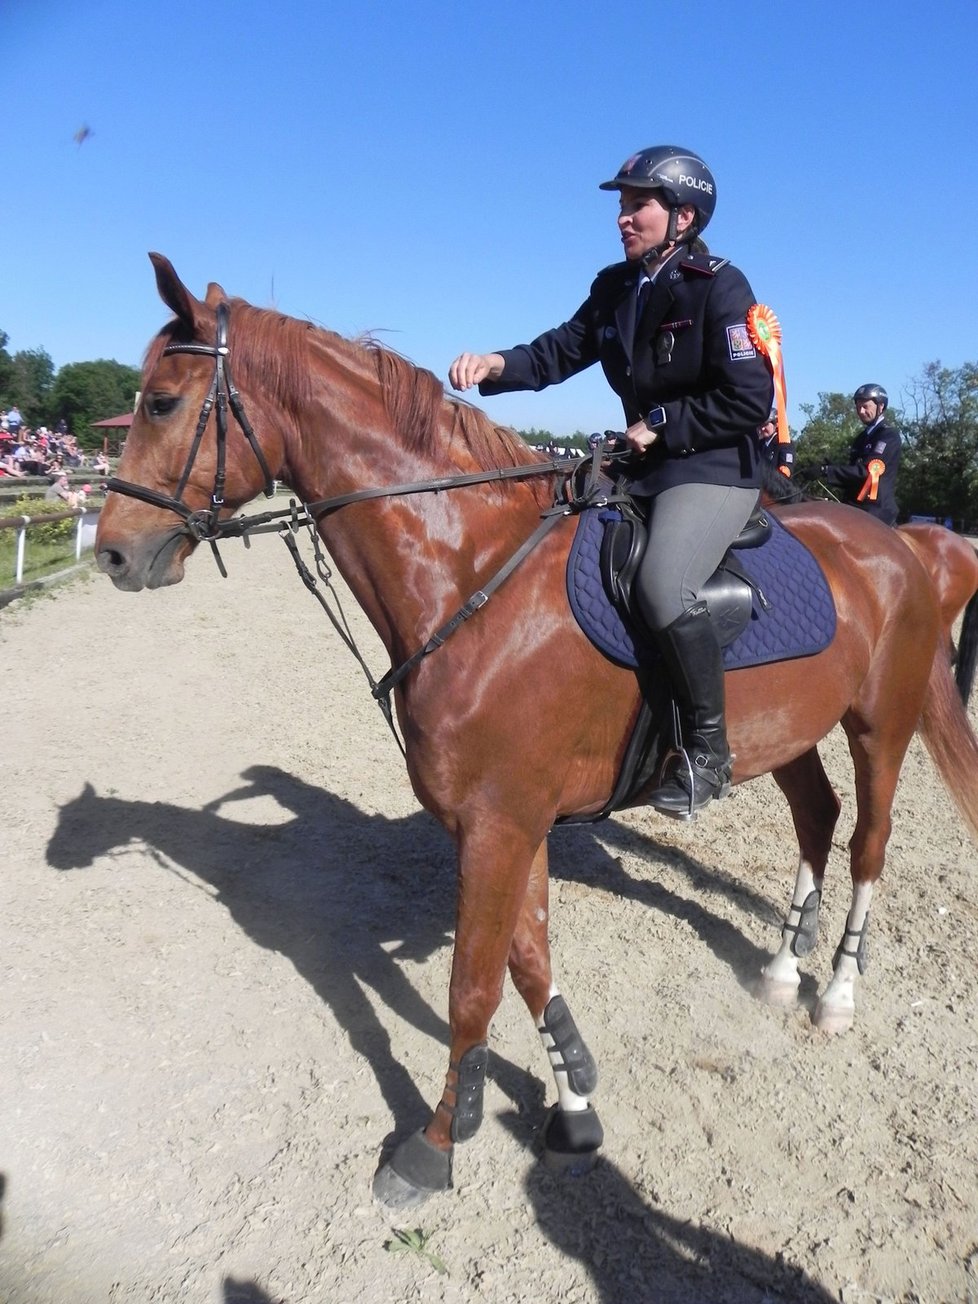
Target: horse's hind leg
[
  {"x": 877, "y": 753},
  {"x": 572, "y": 1133},
  {"x": 815, "y": 811}
]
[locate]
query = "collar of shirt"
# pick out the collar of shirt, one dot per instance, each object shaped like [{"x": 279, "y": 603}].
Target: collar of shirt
[
  {"x": 649, "y": 278},
  {"x": 868, "y": 430}
]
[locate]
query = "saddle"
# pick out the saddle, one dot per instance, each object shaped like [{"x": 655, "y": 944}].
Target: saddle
[
  {"x": 729, "y": 593},
  {"x": 769, "y": 601}
]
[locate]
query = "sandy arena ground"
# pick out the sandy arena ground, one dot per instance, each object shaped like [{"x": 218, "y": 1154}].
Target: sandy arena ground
[{"x": 225, "y": 933}]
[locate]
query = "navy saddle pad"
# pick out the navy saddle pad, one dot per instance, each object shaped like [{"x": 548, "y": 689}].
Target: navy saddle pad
[{"x": 800, "y": 620}]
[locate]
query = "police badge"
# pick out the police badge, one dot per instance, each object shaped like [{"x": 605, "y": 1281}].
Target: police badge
[{"x": 739, "y": 342}]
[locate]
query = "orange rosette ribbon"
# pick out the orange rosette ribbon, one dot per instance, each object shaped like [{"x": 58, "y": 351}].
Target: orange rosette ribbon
[
  {"x": 765, "y": 333},
  {"x": 874, "y": 471}
]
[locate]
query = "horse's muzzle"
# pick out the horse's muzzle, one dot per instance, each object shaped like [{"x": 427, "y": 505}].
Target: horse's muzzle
[{"x": 146, "y": 562}]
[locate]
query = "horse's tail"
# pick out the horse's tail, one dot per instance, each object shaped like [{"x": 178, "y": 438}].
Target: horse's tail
[
  {"x": 967, "y": 659},
  {"x": 950, "y": 740}
]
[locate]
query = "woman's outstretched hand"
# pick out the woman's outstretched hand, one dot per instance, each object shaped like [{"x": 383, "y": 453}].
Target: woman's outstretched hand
[{"x": 469, "y": 369}]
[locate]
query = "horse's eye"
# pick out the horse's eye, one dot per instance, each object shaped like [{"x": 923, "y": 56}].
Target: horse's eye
[{"x": 161, "y": 405}]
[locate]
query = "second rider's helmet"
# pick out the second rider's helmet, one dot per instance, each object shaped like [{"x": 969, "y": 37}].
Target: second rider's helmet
[
  {"x": 682, "y": 177},
  {"x": 874, "y": 393}
]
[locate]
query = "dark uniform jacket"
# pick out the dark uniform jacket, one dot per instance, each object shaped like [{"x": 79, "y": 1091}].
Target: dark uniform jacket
[
  {"x": 880, "y": 442},
  {"x": 690, "y": 354}
]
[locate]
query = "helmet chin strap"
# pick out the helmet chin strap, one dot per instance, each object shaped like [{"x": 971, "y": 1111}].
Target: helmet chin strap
[{"x": 672, "y": 238}]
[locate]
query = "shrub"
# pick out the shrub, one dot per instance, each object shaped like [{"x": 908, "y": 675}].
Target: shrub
[{"x": 55, "y": 531}]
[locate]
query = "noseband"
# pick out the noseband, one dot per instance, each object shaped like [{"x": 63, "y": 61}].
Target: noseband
[{"x": 204, "y": 525}]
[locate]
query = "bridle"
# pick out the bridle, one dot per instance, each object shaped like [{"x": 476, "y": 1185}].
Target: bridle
[
  {"x": 205, "y": 525},
  {"x": 208, "y": 526}
]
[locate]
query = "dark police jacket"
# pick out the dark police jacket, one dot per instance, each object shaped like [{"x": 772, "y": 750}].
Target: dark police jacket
[
  {"x": 880, "y": 442},
  {"x": 690, "y": 354}
]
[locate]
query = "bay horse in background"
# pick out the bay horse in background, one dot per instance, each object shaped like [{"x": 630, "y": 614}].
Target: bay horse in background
[{"x": 518, "y": 720}]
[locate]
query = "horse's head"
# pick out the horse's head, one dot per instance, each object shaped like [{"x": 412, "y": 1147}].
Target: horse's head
[
  {"x": 191, "y": 458},
  {"x": 84, "y": 832}
]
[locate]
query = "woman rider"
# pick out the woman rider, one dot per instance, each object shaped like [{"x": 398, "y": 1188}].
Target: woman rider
[{"x": 668, "y": 326}]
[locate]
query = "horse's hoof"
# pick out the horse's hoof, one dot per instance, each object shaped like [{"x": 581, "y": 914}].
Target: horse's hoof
[
  {"x": 833, "y": 1019},
  {"x": 392, "y": 1190},
  {"x": 571, "y": 1140},
  {"x": 415, "y": 1170},
  {"x": 775, "y": 991}
]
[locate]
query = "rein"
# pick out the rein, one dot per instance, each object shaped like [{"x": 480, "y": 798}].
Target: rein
[{"x": 206, "y": 526}]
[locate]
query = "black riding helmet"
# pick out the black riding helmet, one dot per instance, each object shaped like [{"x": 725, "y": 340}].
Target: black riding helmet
[
  {"x": 682, "y": 177},
  {"x": 874, "y": 393}
]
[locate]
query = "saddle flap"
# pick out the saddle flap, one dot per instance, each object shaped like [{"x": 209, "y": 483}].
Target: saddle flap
[
  {"x": 622, "y": 546},
  {"x": 756, "y": 532}
]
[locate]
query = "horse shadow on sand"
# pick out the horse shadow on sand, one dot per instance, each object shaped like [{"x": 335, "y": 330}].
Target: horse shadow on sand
[
  {"x": 636, "y": 1251},
  {"x": 240, "y": 1291},
  {"x": 346, "y": 896}
]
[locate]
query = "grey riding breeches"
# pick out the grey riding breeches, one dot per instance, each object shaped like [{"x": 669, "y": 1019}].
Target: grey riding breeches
[{"x": 691, "y": 526}]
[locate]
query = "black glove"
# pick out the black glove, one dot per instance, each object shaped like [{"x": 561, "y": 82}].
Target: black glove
[{"x": 811, "y": 471}]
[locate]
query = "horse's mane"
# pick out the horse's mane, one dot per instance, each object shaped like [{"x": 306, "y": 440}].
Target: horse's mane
[{"x": 274, "y": 351}]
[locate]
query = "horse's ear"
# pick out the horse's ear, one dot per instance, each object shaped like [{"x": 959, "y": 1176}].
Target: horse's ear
[
  {"x": 215, "y": 295},
  {"x": 173, "y": 292}
]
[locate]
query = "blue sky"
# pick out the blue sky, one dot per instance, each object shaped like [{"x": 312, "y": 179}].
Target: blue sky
[{"x": 429, "y": 171}]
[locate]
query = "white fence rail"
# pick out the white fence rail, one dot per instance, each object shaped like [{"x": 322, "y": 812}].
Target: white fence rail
[{"x": 84, "y": 533}]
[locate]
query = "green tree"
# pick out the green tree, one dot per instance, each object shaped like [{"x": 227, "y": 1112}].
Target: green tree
[
  {"x": 830, "y": 427},
  {"x": 534, "y": 436},
  {"x": 84, "y": 392},
  {"x": 6, "y": 372},
  {"x": 939, "y": 471},
  {"x": 32, "y": 379}
]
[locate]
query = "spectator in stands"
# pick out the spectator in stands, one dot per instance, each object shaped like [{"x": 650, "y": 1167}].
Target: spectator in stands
[
  {"x": 14, "y": 420},
  {"x": 58, "y": 488},
  {"x": 8, "y": 464}
]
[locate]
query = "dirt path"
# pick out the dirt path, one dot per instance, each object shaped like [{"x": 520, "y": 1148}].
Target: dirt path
[{"x": 224, "y": 936}]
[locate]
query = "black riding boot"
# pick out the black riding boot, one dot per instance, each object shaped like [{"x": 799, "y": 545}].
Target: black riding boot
[{"x": 701, "y": 772}]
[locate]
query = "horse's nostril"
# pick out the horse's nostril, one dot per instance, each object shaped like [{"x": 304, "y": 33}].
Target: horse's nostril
[{"x": 110, "y": 561}]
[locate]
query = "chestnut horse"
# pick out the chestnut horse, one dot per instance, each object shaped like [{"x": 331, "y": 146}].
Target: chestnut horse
[
  {"x": 953, "y": 566},
  {"x": 516, "y": 720}
]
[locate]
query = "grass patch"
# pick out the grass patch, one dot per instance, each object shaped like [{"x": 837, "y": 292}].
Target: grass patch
[
  {"x": 40, "y": 559},
  {"x": 49, "y": 547}
]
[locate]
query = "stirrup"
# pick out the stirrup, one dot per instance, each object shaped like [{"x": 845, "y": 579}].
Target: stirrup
[{"x": 693, "y": 783}]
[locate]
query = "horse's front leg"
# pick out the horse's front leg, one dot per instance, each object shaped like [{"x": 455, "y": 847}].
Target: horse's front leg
[
  {"x": 495, "y": 859},
  {"x": 815, "y": 811},
  {"x": 572, "y": 1133}
]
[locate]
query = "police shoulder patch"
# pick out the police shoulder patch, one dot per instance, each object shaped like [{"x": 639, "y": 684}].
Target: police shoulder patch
[{"x": 739, "y": 342}]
